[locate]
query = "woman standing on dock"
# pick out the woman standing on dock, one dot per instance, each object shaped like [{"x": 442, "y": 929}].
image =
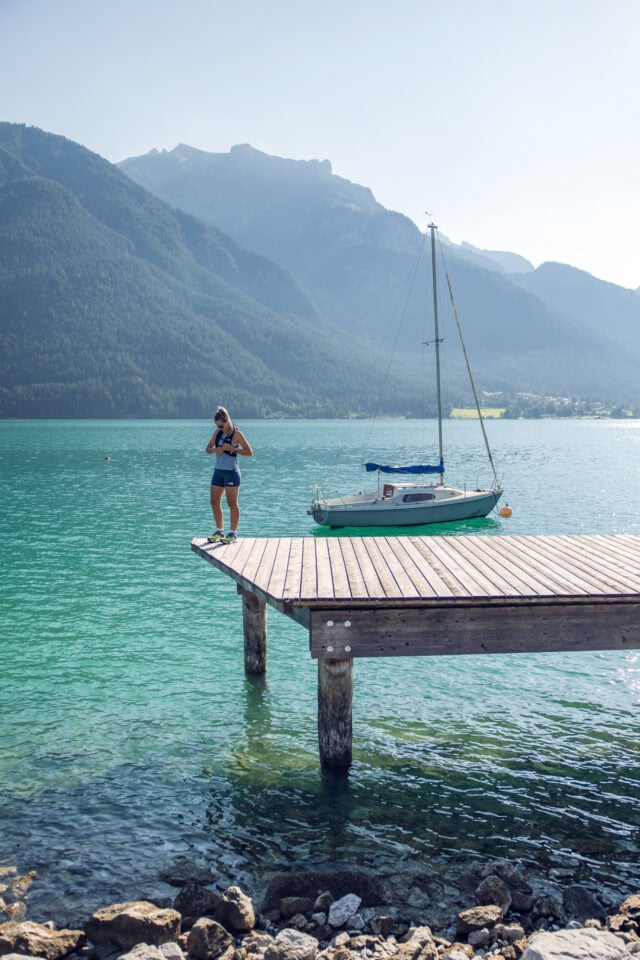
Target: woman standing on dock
[{"x": 228, "y": 443}]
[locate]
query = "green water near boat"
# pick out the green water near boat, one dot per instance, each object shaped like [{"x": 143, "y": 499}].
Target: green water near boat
[{"x": 130, "y": 734}]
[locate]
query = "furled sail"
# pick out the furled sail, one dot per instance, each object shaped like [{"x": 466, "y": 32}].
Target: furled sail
[{"x": 416, "y": 468}]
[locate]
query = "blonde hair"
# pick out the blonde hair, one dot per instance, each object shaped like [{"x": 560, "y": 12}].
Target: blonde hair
[{"x": 222, "y": 412}]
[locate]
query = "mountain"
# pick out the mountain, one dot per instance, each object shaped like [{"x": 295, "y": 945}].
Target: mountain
[
  {"x": 114, "y": 304},
  {"x": 600, "y": 305},
  {"x": 494, "y": 259},
  {"x": 354, "y": 258}
]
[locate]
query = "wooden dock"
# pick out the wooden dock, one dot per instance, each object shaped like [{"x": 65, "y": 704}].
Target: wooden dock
[{"x": 429, "y": 596}]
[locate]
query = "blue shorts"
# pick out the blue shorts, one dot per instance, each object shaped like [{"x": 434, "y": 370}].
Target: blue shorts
[{"x": 225, "y": 478}]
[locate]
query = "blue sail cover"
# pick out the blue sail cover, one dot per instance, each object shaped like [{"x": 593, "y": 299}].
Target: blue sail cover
[{"x": 417, "y": 468}]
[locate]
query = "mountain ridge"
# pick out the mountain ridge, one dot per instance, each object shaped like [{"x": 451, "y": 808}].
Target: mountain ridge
[{"x": 353, "y": 258}]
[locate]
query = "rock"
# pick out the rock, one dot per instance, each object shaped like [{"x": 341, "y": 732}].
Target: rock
[
  {"x": 547, "y": 907},
  {"x": 585, "y": 944},
  {"x": 15, "y": 911},
  {"x": 420, "y": 945},
  {"x": 512, "y": 932},
  {"x": 195, "y": 901},
  {"x": 383, "y": 925},
  {"x": 323, "y": 902},
  {"x": 631, "y": 907},
  {"x": 255, "y": 942},
  {"x": 38, "y": 940},
  {"x": 343, "y": 909},
  {"x": 418, "y": 898},
  {"x": 143, "y": 951},
  {"x": 312, "y": 885},
  {"x": 580, "y": 903},
  {"x": 458, "y": 951},
  {"x": 494, "y": 890},
  {"x": 236, "y": 911},
  {"x": 184, "y": 871},
  {"x": 171, "y": 951},
  {"x": 363, "y": 941},
  {"x": 289, "y": 906},
  {"x": 17, "y": 956},
  {"x": 137, "y": 921},
  {"x": 475, "y": 918},
  {"x": 521, "y": 901},
  {"x": 208, "y": 939},
  {"x": 479, "y": 938},
  {"x": 292, "y": 945},
  {"x": 510, "y": 872},
  {"x": 20, "y": 886},
  {"x": 320, "y": 918}
]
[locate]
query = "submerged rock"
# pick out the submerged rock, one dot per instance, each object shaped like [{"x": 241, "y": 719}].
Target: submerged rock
[
  {"x": 196, "y": 901},
  {"x": 581, "y": 903},
  {"x": 184, "y": 871},
  {"x": 313, "y": 885},
  {"x": 494, "y": 890}
]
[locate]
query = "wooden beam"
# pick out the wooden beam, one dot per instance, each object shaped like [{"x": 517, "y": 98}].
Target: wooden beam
[
  {"x": 254, "y": 619},
  {"x": 475, "y": 628},
  {"x": 335, "y": 695}
]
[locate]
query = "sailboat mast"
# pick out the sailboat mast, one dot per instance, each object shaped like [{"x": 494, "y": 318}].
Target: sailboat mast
[{"x": 433, "y": 228}]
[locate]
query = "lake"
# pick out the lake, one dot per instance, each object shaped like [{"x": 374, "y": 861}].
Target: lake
[{"x": 130, "y": 735}]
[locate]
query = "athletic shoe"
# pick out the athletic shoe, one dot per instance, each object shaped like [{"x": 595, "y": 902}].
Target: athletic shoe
[
  {"x": 216, "y": 537},
  {"x": 230, "y": 537}
]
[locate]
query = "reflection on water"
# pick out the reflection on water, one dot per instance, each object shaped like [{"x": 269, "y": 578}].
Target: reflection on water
[{"x": 131, "y": 735}]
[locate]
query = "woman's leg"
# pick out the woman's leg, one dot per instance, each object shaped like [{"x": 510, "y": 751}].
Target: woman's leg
[
  {"x": 234, "y": 509},
  {"x": 216, "y": 506}
]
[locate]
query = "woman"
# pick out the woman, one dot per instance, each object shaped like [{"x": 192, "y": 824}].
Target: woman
[{"x": 228, "y": 443}]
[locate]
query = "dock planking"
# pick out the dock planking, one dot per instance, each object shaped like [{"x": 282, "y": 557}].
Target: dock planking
[
  {"x": 431, "y": 596},
  {"x": 310, "y": 571}
]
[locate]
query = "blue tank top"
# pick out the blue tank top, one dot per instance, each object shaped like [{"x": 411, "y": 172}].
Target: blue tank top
[{"x": 226, "y": 461}]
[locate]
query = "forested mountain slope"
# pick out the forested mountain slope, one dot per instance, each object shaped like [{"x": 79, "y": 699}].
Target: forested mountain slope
[{"x": 113, "y": 304}]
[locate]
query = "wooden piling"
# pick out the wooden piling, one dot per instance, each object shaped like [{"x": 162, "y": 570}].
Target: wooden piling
[
  {"x": 254, "y": 618},
  {"x": 335, "y": 695}
]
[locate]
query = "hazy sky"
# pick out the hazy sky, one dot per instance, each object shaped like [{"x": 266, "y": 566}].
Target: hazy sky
[{"x": 516, "y": 122}]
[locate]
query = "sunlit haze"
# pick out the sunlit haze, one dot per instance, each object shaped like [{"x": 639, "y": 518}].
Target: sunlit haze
[{"x": 515, "y": 124}]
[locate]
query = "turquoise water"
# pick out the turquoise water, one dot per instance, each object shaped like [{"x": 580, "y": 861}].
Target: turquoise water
[{"x": 130, "y": 734}]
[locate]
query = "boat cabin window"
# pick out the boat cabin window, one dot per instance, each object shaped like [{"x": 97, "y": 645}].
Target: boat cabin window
[
  {"x": 388, "y": 490},
  {"x": 418, "y": 497}
]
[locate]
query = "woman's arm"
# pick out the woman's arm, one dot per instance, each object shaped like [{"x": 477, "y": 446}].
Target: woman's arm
[{"x": 244, "y": 447}]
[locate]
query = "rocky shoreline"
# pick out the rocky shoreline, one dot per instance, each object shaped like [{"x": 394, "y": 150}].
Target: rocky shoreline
[{"x": 495, "y": 911}]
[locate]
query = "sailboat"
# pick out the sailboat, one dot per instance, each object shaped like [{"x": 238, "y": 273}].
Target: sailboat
[{"x": 409, "y": 503}]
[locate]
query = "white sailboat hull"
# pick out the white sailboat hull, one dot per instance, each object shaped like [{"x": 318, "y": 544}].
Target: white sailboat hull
[{"x": 400, "y": 505}]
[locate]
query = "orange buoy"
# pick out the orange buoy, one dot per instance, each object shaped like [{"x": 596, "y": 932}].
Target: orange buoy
[{"x": 506, "y": 511}]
